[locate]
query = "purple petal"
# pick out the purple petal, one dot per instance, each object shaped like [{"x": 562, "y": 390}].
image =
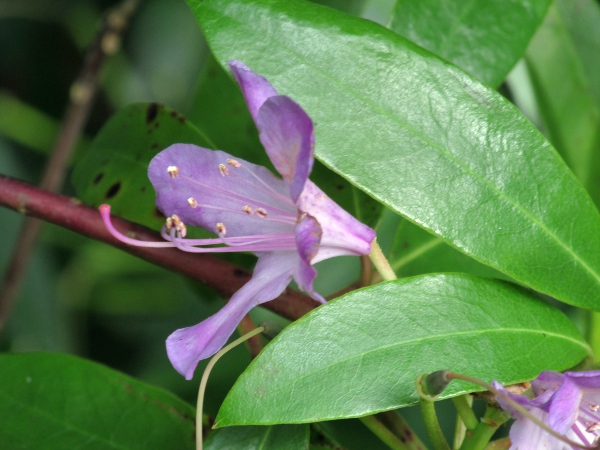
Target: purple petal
[
  {"x": 256, "y": 89},
  {"x": 187, "y": 346},
  {"x": 547, "y": 382},
  {"x": 286, "y": 132},
  {"x": 205, "y": 189},
  {"x": 526, "y": 435},
  {"x": 506, "y": 406},
  {"x": 308, "y": 237},
  {"x": 342, "y": 233},
  {"x": 564, "y": 406},
  {"x": 586, "y": 380}
]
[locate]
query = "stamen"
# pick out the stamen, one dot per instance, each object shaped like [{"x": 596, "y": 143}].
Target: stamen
[
  {"x": 173, "y": 171},
  {"x": 233, "y": 163},
  {"x": 265, "y": 187},
  {"x": 594, "y": 408},
  {"x": 261, "y": 212},
  {"x": 192, "y": 202},
  {"x": 221, "y": 230},
  {"x": 223, "y": 169},
  {"x": 593, "y": 427},
  {"x": 175, "y": 223},
  {"x": 283, "y": 212},
  {"x": 247, "y": 209},
  {"x": 251, "y": 243}
]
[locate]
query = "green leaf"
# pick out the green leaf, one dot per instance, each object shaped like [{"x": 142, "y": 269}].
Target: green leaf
[
  {"x": 259, "y": 438},
  {"x": 416, "y": 252},
  {"x": 567, "y": 88},
  {"x": 55, "y": 401},
  {"x": 362, "y": 353},
  {"x": 115, "y": 168},
  {"x": 422, "y": 137},
  {"x": 485, "y": 39}
]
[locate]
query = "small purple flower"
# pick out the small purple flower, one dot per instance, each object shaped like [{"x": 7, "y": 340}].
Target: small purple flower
[
  {"x": 569, "y": 403},
  {"x": 289, "y": 223}
]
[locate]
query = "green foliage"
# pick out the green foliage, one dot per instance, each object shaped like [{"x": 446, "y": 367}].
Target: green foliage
[
  {"x": 411, "y": 139},
  {"x": 383, "y": 337},
  {"x": 115, "y": 168},
  {"x": 54, "y": 401},
  {"x": 470, "y": 34},
  {"x": 439, "y": 148},
  {"x": 264, "y": 438}
]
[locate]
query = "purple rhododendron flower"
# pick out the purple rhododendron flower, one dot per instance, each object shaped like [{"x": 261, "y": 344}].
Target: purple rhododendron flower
[
  {"x": 568, "y": 403},
  {"x": 289, "y": 223}
]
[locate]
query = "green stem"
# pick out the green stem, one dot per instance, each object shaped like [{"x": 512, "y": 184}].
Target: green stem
[
  {"x": 463, "y": 407},
  {"x": 383, "y": 433},
  {"x": 204, "y": 380},
  {"x": 381, "y": 263},
  {"x": 466, "y": 418},
  {"x": 480, "y": 437},
  {"x": 432, "y": 425}
]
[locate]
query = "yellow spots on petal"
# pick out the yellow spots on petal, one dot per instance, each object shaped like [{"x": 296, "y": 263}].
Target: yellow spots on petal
[
  {"x": 233, "y": 163},
  {"x": 223, "y": 169},
  {"x": 247, "y": 209},
  {"x": 192, "y": 202}
]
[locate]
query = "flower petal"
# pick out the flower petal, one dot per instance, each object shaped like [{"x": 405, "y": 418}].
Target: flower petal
[
  {"x": 256, "y": 89},
  {"x": 342, "y": 233},
  {"x": 526, "y": 435},
  {"x": 286, "y": 132},
  {"x": 187, "y": 346},
  {"x": 564, "y": 406},
  {"x": 585, "y": 380},
  {"x": 203, "y": 189},
  {"x": 308, "y": 238},
  {"x": 506, "y": 406}
]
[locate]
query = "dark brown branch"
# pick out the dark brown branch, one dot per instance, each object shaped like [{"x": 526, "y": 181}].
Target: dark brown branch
[{"x": 223, "y": 277}]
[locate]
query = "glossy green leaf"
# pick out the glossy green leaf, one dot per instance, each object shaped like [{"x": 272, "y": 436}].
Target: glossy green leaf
[
  {"x": 424, "y": 138},
  {"x": 55, "y": 401},
  {"x": 485, "y": 39},
  {"x": 568, "y": 88},
  {"x": 362, "y": 353},
  {"x": 259, "y": 438},
  {"x": 115, "y": 168}
]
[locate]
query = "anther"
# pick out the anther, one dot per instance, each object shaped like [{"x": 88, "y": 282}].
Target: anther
[
  {"x": 594, "y": 408},
  {"x": 192, "y": 202},
  {"x": 261, "y": 212},
  {"x": 593, "y": 427},
  {"x": 247, "y": 209},
  {"x": 221, "y": 230},
  {"x": 223, "y": 169},
  {"x": 174, "y": 222},
  {"x": 233, "y": 163},
  {"x": 173, "y": 171}
]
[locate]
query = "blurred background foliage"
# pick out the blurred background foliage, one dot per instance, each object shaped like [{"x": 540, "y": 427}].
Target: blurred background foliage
[{"x": 85, "y": 298}]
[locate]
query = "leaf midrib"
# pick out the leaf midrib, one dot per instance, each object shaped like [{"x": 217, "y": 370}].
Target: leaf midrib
[{"x": 425, "y": 339}]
